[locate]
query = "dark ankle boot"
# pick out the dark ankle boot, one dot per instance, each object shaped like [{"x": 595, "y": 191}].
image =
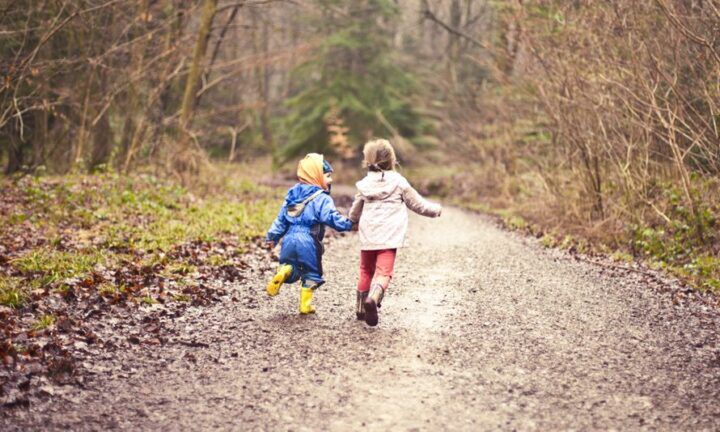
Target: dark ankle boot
[
  {"x": 360, "y": 307},
  {"x": 372, "y": 303}
]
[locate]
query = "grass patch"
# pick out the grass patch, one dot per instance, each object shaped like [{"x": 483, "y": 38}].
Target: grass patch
[
  {"x": 88, "y": 221},
  {"x": 43, "y": 322},
  {"x": 621, "y": 256},
  {"x": 51, "y": 266},
  {"x": 182, "y": 298},
  {"x": 147, "y": 300},
  {"x": 206, "y": 222},
  {"x": 179, "y": 268},
  {"x": 108, "y": 290},
  {"x": 218, "y": 261},
  {"x": 516, "y": 223},
  {"x": 11, "y": 292},
  {"x": 547, "y": 241}
]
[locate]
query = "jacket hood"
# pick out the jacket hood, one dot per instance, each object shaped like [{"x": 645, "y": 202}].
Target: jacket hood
[
  {"x": 379, "y": 185},
  {"x": 299, "y": 193}
]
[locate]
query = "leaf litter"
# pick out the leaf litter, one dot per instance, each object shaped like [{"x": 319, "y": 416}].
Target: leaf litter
[{"x": 75, "y": 283}]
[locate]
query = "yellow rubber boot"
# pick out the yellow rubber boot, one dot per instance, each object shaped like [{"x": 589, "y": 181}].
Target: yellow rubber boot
[
  {"x": 283, "y": 273},
  {"x": 306, "y": 295}
]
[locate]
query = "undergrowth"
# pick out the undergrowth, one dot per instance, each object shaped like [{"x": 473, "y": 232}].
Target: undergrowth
[
  {"x": 661, "y": 230},
  {"x": 56, "y": 230}
]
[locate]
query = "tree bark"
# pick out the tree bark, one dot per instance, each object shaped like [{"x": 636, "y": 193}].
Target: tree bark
[
  {"x": 133, "y": 95},
  {"x": 265, "y": 89},
  {"x": 102, "y": 142},
  {"x": 185, "y": 159},
  {"x": 15, "y": 148},
  {"x": 453, "y": 44}
]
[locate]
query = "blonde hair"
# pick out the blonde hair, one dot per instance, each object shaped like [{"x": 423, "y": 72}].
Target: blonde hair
[{"x": 379, "y": 155}]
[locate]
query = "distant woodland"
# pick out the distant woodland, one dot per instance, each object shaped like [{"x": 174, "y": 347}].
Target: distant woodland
[{"x": 593, "y": 120}]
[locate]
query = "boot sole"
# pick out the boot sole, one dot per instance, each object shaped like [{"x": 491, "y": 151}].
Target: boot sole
[{"x": 371, "y": 314}]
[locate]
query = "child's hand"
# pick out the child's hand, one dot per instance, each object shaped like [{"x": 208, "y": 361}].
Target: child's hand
[{"x": 270, "y": 244}]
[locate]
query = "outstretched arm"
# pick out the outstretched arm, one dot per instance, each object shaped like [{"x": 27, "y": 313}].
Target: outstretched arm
[
  {"x": 420, "y": 205},
  {"x": 331, "y": 217},
  {"x": 278, "y": 228},
  {"x": 357, "y": 208}
]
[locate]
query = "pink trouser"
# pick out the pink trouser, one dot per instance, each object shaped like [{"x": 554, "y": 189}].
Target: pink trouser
[{"x": 376, "y": 266}]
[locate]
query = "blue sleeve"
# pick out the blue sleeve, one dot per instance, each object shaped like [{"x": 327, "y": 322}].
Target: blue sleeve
[
  {"x": 278, "y": 228},
  {"x": 329, "y": 215}
]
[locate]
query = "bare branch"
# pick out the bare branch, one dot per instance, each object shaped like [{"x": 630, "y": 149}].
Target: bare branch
[{"x": 429, "y": 15}]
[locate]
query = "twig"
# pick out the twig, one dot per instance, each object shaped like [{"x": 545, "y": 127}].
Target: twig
[
  {"x": 431, "y": 16},
  {"x": 249, "y": 3}
]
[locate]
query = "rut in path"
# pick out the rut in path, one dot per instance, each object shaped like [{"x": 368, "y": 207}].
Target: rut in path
[{"x": 481, "y": 330}]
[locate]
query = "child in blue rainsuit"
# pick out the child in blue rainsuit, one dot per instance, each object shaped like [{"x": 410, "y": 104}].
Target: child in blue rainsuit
[{"x": 301, "y": 224}]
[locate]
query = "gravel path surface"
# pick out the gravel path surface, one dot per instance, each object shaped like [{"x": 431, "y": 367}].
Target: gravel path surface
[{"x": 481, "y": 330}]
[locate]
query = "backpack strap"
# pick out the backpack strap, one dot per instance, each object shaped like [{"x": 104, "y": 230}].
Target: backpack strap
[{"x": 296, "y": 210}]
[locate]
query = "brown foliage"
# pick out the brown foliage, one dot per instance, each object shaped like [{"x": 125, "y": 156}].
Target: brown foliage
[{"x": 84, "y": 84}]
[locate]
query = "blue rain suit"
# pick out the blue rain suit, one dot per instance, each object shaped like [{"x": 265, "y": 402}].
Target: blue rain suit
[{"x": 303, "y": 235}]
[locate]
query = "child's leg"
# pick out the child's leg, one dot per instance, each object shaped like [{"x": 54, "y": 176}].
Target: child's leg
[
  {"x": 367, "y": 269},
  {"x": 284, "y": 274},
  {"x": 311, "y": 278},
  {"x": 306, "y": 295},
  {"x": 384, "y": 266}
]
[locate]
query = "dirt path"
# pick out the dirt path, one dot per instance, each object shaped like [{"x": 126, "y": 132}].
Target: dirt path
[{"x": 482, "y": 330}]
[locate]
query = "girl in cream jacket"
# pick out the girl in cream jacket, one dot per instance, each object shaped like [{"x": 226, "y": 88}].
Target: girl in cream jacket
[{"x": 380, "y": 208}]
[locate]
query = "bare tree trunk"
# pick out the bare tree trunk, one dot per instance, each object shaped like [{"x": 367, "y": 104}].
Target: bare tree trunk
[
  {"x": 185, "y": 158},
  {"x": 133, "y": 94},
  {"x": 291, "y": 36},
  {"x": 15, "y": 148},
  {"x": 453, "y": 44},
  {"x": 83, "y": 134},
  {"x": 262, "y": 77},
  {"x": 512, "y": 37},
  {"x": 422, "y": 22},
  {"x": 233, "y": 142},
  {"x": 102, "y": 142},
  {"x": 40, "y": 137},
  {"x": 265, "y": 88}
]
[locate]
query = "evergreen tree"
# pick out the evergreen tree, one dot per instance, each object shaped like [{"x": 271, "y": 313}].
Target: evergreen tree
[{"x": 353, "y": 83}]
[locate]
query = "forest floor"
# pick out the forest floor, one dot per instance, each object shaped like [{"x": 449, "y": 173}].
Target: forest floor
[{"x": 482, "y": 329}]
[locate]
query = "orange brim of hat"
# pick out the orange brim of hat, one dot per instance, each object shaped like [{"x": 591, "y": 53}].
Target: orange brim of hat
[{"x": 310, "y": 170}]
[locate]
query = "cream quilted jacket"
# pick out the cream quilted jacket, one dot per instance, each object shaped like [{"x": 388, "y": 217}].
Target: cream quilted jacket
[{"x": 381, "y": 207}]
